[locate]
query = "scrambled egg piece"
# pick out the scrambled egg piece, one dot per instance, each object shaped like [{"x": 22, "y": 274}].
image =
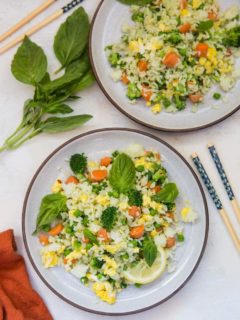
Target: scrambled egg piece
[
  {"x": 156, "y": 45},
  {"x": 92, "y": 164},
  {"x": 154, "y": 233},
  {"x": 156, "y": 108},
  {"x": 110, "y": 266},
  {"x": 123, "y": 205},
  {"x": 103, "y": 200},
  {"x": 49, "y": 259},
  {"x": 84, "y": 198},
  {"x": 57, "y": 186},
  {"x": 188, "y": 215},
  {"x": 135, "y": 45},
  {"x": 196, "y": 3},
  {"x": 112, "y": 248},
  {"x": 185, "y": 13},
  {"x": 104, "y": 291},
  {"x": 142, "y": 162},
  {"x": 146, "y": 200}
]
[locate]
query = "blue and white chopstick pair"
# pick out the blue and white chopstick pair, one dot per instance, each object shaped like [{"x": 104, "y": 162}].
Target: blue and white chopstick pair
[
  {"x": 39, "y": 26},
  {"x": 214, "y": 195}
]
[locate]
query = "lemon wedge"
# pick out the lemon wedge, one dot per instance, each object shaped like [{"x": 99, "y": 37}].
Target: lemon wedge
[{"x": 142, "y": 273}]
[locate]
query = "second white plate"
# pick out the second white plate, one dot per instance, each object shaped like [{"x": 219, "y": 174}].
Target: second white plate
[{"x": 106, "y": 29}]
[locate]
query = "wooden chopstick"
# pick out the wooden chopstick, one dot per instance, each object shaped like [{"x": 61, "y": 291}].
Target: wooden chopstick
[
  {"x": 25, "y": 20},
  {"x": 225, "y": 180},
  {"x": 41, "y": 25},
  {"x": 216, "y": 200}
]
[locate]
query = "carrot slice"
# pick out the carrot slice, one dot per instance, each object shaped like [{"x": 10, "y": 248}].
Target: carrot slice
[
  {"x": 142, "y": 65},
  {"x": 157, "y": 189},
  {"x": 146, "y": 93},
  {"x": 137, "y": 232},
  {"x": 85, "y": 240},
  {"x": 56, "y": 230},
  {"x": 98, "y": 175},
  {"x": 158, "y": 156},
  {"x": 102, "y": 233},
  {"x": 196, "y": 97},
  {"x": 171, "y": 59},
  {"x": 184, "y": 28},
  {"x": 170, "y": 215},
  {"x": 170, "y": 242},
  {"x": 183, "y": 4},
  {"x": 202, "y": 49},
  {"x": 106, "y": 161},
  {"x": 124, "y": 78},
  {"x": 134, "y": 211},
  {"x": 212, "y": 15},
  {"x": 72, "y": 179},
  {"x": 43, "y": 239}
]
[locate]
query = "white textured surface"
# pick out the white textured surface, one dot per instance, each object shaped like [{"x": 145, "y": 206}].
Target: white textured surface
[{"x": 213, "y": 292}]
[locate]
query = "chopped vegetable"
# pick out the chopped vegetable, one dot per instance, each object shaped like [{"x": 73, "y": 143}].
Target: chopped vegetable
[{"x": 78, "y": 163}]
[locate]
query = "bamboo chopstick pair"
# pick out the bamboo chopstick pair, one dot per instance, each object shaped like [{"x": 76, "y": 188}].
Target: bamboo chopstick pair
[
  {"x": 214, "y": 195},
  {"x": 37, "y": 27}
]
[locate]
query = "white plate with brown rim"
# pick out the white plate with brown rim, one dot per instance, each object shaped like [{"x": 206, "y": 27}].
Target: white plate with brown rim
[
  {"x": 106, "y": 29},
  {"x": 95, "y": 144}
]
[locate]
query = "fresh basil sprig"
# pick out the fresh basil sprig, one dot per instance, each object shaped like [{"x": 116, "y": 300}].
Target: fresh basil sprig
[
  {"x": 51, "y": 207},
  {"x": 52, "y": 96},
  {"x": 122, "y": 174},
  {"x": 168, "y": 194},
  {"x": 149, "y": 251},
  {"x": 136, "y": 2}
]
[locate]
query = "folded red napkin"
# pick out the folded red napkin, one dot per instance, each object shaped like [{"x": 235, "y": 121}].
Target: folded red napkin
[{"x": 18, "y": 300}]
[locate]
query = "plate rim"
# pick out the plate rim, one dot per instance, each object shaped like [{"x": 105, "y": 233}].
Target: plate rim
[
  {"x": 117, "y": 106},
  {"x": 52, "y": 154}
]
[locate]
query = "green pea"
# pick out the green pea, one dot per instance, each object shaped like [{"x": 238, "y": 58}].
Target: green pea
[
  {"x": 180, "y": 237},
  {"x": 77, "y": 213},
  {"x": 67, "y": 251},
  {"x": 89, "y": 246},
  {"x": 77, "y": 245},
  {"x": 140, "y": 168},
  {"x": 84, "y": 280},
  {"x": 69, "y": 230}
]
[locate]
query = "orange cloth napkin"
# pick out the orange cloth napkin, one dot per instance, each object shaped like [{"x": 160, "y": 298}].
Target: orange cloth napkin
[{"x": 18, "y": 300}]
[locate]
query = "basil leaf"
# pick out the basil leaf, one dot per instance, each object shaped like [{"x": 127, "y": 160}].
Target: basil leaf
[
  {"x": 55, "y": 124},
  {"x": 73, "y": 73},
  {"x": 51, "y": 206},
  {"x": 149, "y": 251},
  {"x": 86, "y": 81},
  {"x": 72, "y": 37},
  {"x": 91, "y": 237},
  {"x": 30, "y": 63},
  {"x": 168, "y": 194},
  {"x": 58, "y": 108},
  {"x": 136, "y": 2},
  {"x": 122, "y": 174},
  {"x": 204, "y": 25}
]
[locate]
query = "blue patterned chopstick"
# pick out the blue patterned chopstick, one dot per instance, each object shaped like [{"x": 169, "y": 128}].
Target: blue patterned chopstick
[
  {"x": 71, "y": 5},
  {"x": 207, "y": 182},
  {"x": 216, "y": 200},
  {"x": 224, "y": 179}
]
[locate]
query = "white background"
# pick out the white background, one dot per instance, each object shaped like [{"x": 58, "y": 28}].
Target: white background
[{"x": 214, "y": 290}]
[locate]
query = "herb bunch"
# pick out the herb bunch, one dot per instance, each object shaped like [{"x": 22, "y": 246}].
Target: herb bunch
[{"x": 29, "y": 66}]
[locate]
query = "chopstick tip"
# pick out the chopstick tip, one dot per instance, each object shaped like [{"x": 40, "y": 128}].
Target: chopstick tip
[
  {"x": 194, "y": 155},
  {"x": 210, "y": 144}
]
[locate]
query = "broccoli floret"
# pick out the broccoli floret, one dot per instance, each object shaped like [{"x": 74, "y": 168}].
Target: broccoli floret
[
  {"x": 138, "y": 17},
  {"x": 160, "y": 176},
  {"x": 108, "y": 218},
  {"x": 180, "y": 102},
  {"x": 78, "y": 163},
  {"x": 232, "y": 37},
  {"x": 114, "y": 59},
  {"x": 97, "y": 263},
  {"x": 133, "y": 92},
  {"x": 135, "y": 198},
  {"x": 174, "y": 37}
]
